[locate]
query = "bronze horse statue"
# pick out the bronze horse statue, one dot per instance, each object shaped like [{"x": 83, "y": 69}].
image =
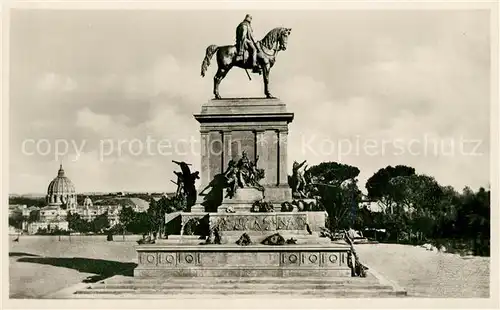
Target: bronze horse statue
[{"x": 268, "y": 48}]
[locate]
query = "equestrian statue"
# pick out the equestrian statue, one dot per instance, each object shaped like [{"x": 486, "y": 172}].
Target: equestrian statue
[{"x": 258, "y": 56}]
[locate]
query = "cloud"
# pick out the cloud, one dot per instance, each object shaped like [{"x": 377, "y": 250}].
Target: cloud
[
  {"x": 400, "y": 99},
  {"x": 102, "y": 124},
  {"x": 378, "y": 75},
  {"x": 53, "y": 82}
]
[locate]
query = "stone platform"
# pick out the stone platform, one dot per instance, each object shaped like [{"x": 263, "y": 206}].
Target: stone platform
[
  {"x": 242, "y": 200},
  {"x": 374, "y": 285},
  {"x": 242, "y": 261},
  {"x": 230, "y": 237}
]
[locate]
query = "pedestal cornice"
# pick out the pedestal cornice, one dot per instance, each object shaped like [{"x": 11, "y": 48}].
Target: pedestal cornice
[{"x": 244, "y": 110}]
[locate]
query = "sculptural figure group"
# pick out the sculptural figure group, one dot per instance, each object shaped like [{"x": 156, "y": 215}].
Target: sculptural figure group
[
  {"x": 300, "y": 187},
  {"x": 186, "y": 183},
  {"x": 239, "y": 174},
  {"x": 243, "y": 173}
]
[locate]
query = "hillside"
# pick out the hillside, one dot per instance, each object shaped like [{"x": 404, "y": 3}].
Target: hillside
[
  {"x": 122, "y": 201},
  {"x": 27, "y": 200}
]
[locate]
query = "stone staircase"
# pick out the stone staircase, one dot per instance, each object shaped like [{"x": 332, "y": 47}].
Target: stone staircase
[{"x": 176, "y": 287}]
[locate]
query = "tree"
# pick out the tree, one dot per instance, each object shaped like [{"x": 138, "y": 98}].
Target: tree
[
  {"x": 126, "y": 217},
  {"x": 29, "y": 201},
  {"x": 379, "y": 187},
  {"x": 158, "y": 209},
  {"x": 336, "y": 186},
  {"x": 141, "y": 224},
  {"x": 446, "y": 213},
  {"x": 473, "y": 220},
  {"x": 100, "y": 223},
  {"x": 331, "y": 173},
  {"x": 415, "y": 193},
  {"x": 16, "y": 220},
  {"x": 34, "y": 216},
  {"x": 77, "y": 224},
  {"x": 414, "y": 200},
  {"x": 156, "y": 213},
  {"x": 73, "y": 221}
]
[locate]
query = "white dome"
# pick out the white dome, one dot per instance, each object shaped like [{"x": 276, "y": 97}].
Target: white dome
[{"x": 61, "y": 190}]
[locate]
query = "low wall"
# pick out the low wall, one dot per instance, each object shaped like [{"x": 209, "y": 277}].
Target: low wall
[{"x": 242, "y": 261}]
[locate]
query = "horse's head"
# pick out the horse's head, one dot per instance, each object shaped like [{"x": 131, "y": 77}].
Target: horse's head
[
  {"x": 276, "y": 39},
  {"x": 283, "y": 38}
]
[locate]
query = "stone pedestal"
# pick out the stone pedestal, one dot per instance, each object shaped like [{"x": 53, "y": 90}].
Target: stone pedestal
[
  {"x": 242, "y": 200},
  {"x": 161, "y": 261},
  {"x": 256, "y": 125}
]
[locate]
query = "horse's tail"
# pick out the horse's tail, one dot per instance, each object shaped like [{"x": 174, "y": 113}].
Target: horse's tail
[{"x": 208, "y": 55}]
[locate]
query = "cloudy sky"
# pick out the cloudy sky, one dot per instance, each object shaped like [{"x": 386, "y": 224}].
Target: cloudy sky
[{"x": 368, "y": 88}]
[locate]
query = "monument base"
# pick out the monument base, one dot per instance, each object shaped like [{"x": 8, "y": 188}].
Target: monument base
[
  {"x": 250, "y": 222},
  {"x": 245, "y": 197},
  {"x": 277, "y": 194},
  {"x": 159, "y": 261},
  {"x": 250, "y": 288},
  {"x": 242, "y": 201}
]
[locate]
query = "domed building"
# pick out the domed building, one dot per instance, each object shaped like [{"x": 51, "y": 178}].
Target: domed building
[
  {"x": 61, "y": 192},
  {"x": 61, "y": 199},
  {"x": 87, "y": 202}
]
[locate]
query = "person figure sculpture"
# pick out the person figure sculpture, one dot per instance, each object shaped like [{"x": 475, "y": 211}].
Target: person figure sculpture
[
  {"x": 298, "y": 181},
  {"x": 186, "y": 182},
  {"x": 255, "y": 175},
  {"x": 231, "y": 178},
  {"x": 246, "y": 42},
  {"x": 244, "y": 170}
]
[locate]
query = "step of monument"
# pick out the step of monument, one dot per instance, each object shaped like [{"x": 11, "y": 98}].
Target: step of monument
[
  {"x": 303, "y": 233},
  {"x": 160, "y": 286},
  {"x": 242, "y": 280},
  {"x": 290, "y": 233},
  {"x": 269, "y": 286},
  {"x": 256, "y": 237},
  {"x": 298, "y": 285},
  {"x": 228, "y": 240},
  {"x": 329, "y": 292},
  {"x": 373, "y": 285}
]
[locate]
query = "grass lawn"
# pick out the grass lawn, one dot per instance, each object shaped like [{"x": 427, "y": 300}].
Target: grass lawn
[{"x": 42, "y": 265}]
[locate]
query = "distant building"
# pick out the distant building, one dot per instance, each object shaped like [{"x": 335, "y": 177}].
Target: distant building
[
  {"x": 89, "y": 211},
  {"x": 35, "y": 227},
  {"x": 61, "y": 199},
  {"x": 140, "y": 205},
  {"x": 114, "y": 215},
  {"x": 16, "y": 209},
  {"x": 61, "y": 192},
  {"x": 27, "y": 211},
  {"x": 87, "y": 202},
  {"x": 52, "y": 213}
]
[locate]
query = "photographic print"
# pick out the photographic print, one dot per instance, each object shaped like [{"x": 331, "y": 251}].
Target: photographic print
[{"x": 256, "y": 152}]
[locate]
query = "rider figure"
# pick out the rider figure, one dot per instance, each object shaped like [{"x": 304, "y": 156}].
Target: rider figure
[{"x": 245, "y": 41}]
